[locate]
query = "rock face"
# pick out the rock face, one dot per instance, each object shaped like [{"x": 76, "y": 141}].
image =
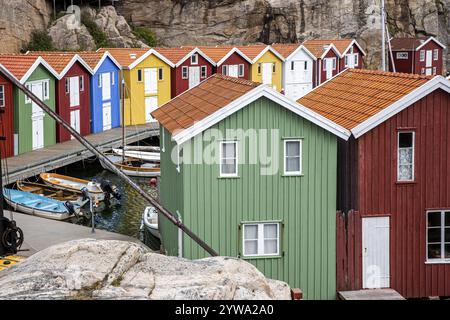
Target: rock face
[
  {"x": 109, "y": 269},
  {"x": 68, "y": 33},
  {"x": 181, "y": 22},
  {"x": 18, "y": 18}
]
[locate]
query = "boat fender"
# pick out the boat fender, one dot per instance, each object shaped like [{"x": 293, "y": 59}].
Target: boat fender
[
  {"x": 12, "y": 237},
  {"x": 153, "y": 182}
]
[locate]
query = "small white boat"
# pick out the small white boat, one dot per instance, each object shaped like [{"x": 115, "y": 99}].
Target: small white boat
[
  {"x": 141, "y": 155},
  {"x": 150, "y": 220},
  {"x": 132, "y": 167},
  {"x": 39, "y": 206},
  {"x": 143, "y": 148}
]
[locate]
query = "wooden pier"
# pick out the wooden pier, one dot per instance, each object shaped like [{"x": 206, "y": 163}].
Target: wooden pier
[{"x": 61, "y": 154}]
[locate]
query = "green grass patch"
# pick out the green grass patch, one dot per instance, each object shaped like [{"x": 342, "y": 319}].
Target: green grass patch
[
  {"x": 100, "y": 38},
  {"x": 40, "y": 41},
  {"x": 146, "y": 35}
]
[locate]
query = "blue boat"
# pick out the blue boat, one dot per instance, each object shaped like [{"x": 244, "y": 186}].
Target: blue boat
[{"x": 39, "y": 206}]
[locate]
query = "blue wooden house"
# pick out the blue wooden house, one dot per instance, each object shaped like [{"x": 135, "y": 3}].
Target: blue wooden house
[{"x": 105, "y": 90}]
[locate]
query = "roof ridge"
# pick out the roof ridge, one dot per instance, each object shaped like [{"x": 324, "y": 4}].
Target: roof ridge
[
  {"x": 236, "y": 80},
  {"x": 392, "y": 74}
]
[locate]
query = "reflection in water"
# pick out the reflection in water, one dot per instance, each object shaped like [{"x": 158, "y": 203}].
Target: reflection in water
[{"x": 122, "y": 216}]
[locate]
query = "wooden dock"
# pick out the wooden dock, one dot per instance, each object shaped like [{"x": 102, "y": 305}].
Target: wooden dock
[
  {"x": 370, "y": 294},
  {"x": 61, "y": 154}
]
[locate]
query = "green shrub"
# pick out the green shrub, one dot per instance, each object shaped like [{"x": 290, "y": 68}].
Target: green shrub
[
  {"x": 146, "y": 35},
  {"x": 40, "y": 41},
  {"x": 100, "y": 38}
]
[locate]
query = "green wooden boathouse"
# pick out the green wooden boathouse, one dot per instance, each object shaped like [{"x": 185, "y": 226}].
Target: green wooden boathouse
[{"x": 254, "y": 175}]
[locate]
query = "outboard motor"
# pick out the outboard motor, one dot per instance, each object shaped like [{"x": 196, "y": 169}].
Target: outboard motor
[
  {"x": 71, "y": 208},
  {"x": 108, "y": 189},
  {"x": 85, "y": 193}
]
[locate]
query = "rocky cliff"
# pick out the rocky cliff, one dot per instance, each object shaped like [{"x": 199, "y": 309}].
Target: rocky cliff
[{"x": 111, "y": 269}]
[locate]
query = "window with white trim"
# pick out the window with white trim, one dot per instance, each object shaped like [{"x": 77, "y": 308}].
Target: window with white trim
[
  {"x": 228, "y": 159},
  {"x": 346, "y": 60},
  {"x": 99, "y": 77},
  {"x": 422, "y": 70},
  {"x": 261, "y": 239},
  {"x": 435, "y": 54},
  {"x": 292, "y": 65},
  {"x": 194, "y": 58},
  {"x": 113, "y": 79},
  {"x": 225, "y": 70},
  {"x": 81, "y": 83},
  {"x": 241, "y": 70},
  {"x": 438, "y": 236},
  {"x": 27, "y": 98},
  {"x": 292, "y": 156},
  {"x": 434, "y": 70},
  {"x": 356, "y": 57},
  {"x": 46, "y": 88},
  {"x": 334, "y": 63},
  {"x": 203, "y": 72},
  {"x": 184, "y": 72},
  {"x": 259, "y": 68},
  {"x": 422, "y": 55},
  {"x": 2, "y": 96},
  {"x": 160, "y": 74},
  {"x": 274, "y": 67},
  {"x": 405, "y": 156},
  {"x": 66, "y": 85},
  {"x": 402, "y": 55},
  {"x": 139, "y": 75}
]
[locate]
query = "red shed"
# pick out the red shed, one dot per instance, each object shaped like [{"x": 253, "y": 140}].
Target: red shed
[
  {"x": 72, "y": 91},
  {"x": 229, "y": 61},
  {"x": 417, "y": 55},
  {"x": 395, "y": 173},
  {"x": 191, "y": 67},
  {"x": 327, "y": 60},
  {"x": 6, "y": 118},
  {"x": 352, "y": 54}
]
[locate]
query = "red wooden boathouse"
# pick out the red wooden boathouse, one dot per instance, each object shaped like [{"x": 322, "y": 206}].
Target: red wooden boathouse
[
  {"x": 395, "y": 172},
  {"x": 6, "y": 118}
]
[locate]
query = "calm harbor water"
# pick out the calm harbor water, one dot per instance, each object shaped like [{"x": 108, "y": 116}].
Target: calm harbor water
[{"x": 122, "y": 216}]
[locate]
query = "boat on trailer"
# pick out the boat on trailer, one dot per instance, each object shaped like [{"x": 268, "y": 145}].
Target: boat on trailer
[
  {"x": 77, "y": 185},
  {"x": 133, "y": 167},
  {"x": 150, "y": 221},
  {"x": 50, "y": 192},
  {"x": 39, "y": 206}
]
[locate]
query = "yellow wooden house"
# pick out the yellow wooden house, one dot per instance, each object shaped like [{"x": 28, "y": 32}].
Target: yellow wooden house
[
  {"x": 266, "y": 66},
  {"x": 146, "y": 75}
]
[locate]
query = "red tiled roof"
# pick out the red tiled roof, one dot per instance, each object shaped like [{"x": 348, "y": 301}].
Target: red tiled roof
[
  {"x": 407, "y": 43},
  {"x": 201, "y": 101},
  {"x": 356, "y": 95},
  {"x": 125, "y": 56}
]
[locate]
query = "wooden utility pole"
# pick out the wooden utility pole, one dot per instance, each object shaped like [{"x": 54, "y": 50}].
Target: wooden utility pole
[{"x": 171, "y": 217}]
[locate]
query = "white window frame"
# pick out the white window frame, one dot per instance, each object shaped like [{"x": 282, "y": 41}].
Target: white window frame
[
  {"x": 241, "y": 70},
  {"x": 235, "y": 174},
  {"x": 203, "y": 72},
  {"x": 194, "y": 58},
  {"x": 442, "y": 242},
  {"x": 436, "y": 54},
  {"x": 292, "y": 173},
  {"x": 81, "y": 83},
  {"x": 27, "y": 98},
  {"x": 46, "y": 89},
  {"x": 413, "y": 154},
  {"x": 402, "y": 55},
  {"x": 356, "y": 56},
  {"x": 346, "y": 60},
  {"x": 67, "y": 85},
  {"x": 260, "y": 239},
  {"x": 113, "y": 80},
  {"x": 225, "y": 70},
  {"x": 160, "y": 74},
  {"x": 2, "y": 96},
  {"x": 423, "y": 70},
  {"x": 184, "y": 70},
  {"x": 422, "y": 55},
  {"x": 434, "y": 70},
  {"x": 100, "y": 80}
]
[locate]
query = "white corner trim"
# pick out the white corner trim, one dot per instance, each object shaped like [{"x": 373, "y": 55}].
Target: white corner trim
[
  {"x": 438, "y": 82},
  {"x": 100, "y": 62},
  {"x": 195, "y": 50},
  {"x": 8, "y": 72},
  {"x": 302, "y": 47},
  {"x": 147, "y": 54},
  {"x": 39, "y": 60},
  {"x": 357, "y": 44},
  {"x": 268, "y": 48},
  {"x": 331, "y": 47},
  {"x": 428, "y": 40},
  {"x": 74, "y": 59},
  {"x": 249, "y": 97},
  {"x": 234, "y": 50}
]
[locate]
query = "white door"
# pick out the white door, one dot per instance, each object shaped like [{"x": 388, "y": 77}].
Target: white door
[
  {"x": 151, "y": 80},
  {"x": 106, "y": 86},
  {"x": 375, "y": 252},
  {"x": 429, "y": 59},
  {"x": 233, "y": 70},
  {"x": 151, "y": 104},
  {"x": 74, "y": 85},
  {"x": 75, "y": 121},
  {"x": 350, "y": 60},
  {"x": 37, "y": 118},
  {"x": 329, "y": 67},
  {"x": 267, "y": 71},
  {"x": 107, "y": 116},
  {"x": 194, "y": 76}
]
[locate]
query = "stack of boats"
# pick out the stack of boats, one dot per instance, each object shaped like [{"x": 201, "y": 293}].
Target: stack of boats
[
  {"x": 57, "y": 197},
  {"x": 136, "y": 161}
]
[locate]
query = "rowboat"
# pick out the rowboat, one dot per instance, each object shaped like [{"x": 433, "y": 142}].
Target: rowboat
[
  {"x": 138, "y": 154},
  {"x": 133, "y": 167},
  {"x": 39, "y": 206},
  {"x": 74, "y": 185},
  {"x": 50, "y": 192},
  {"x": 150, "y": 221},
  {"x": 142, "y": 148}
]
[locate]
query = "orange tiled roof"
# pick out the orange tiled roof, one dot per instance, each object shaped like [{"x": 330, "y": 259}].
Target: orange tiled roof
[
  {"x": 17, "y": 64},
  {"x": 285, "y": 49},
  {"x": 125, "y": 56},
  {"x": 318, "y": 46},
  {"x": 252, "y": 50},
  {"x": 356, "y": 95},
  {"x": 57, "y": 60},
  {"x": 175, "y": 54},
  {"x": 201, "y": 101},
  {"x": 91, "y": 58},
  {"x": 216, "y": 53}
]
